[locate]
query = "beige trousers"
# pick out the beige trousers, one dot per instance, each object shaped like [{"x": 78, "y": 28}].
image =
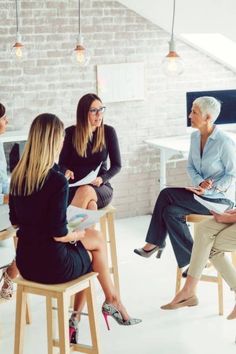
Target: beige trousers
[{"x": 212, "y": 240}]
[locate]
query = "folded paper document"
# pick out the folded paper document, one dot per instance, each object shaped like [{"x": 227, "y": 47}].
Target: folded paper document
[
  {"x": 80, "y": 219},
  {"x": 87, "y": 179},
  {"x": 216, "y": 207}
]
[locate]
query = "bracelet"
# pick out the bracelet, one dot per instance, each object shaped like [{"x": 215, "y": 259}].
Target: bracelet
[{"x": 73, "y": 242}]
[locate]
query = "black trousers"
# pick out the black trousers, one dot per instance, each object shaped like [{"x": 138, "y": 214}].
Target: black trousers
[{"x": 169, "y": 217}]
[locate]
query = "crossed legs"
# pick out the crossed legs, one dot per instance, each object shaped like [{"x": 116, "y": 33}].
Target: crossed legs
[{"x": 85, "y": 197}]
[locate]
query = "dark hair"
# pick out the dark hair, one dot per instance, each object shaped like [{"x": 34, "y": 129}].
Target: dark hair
[
  {"x": 83, "y": 107},
  {"x": 2, "y": 110},
  {"x": 82, "y": 130}
]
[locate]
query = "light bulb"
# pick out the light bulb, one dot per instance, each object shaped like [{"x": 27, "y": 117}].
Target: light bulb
[
  {"x": 80, "y": 52},
  {"x": 172, "y": 64},
  {"x": 18, "y": 52}
]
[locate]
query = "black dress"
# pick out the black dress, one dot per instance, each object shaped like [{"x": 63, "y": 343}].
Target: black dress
[
  {"x": 81, "y": 166},
  {"x": 41, "y": 216}
]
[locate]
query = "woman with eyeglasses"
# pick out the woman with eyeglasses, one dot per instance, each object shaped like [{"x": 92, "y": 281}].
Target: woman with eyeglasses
[
  {"x": 87, "y": 145},
  {"x": 10, "y": 272}
]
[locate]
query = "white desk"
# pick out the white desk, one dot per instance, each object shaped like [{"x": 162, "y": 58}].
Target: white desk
[
  {"x": 11, "y": 136},
  {"x": 171, "y": 146},
  {"x": 14, "y": 135}
]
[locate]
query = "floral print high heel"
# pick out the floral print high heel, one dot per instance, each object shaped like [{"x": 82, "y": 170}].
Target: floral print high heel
[
  {"x": 6, "y": 291},
  {"x": 110, "y": 310},
  {"x": 73, "y": 330}
]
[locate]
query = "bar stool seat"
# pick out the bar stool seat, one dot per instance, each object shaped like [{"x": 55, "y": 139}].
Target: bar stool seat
[{"x": 62, "y": 293}]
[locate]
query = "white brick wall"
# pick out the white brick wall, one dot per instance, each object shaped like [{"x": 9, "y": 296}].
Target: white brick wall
[{"x": 49, "y": 81}]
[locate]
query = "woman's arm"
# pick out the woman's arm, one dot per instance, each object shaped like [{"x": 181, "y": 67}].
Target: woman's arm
[
  {"x": 114, "y": 155},
  {"x": 65, "y": 153}
]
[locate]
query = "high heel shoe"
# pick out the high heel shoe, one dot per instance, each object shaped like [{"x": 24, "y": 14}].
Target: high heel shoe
[
  {"x": 110, "y": 310},
  {"x": 73, "y": 330},
  {"x": 141, "y": 252},
  {"x": 6, "y": 291}
]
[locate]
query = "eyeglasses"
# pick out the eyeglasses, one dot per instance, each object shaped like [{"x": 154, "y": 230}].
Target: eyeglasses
[{"x": 95, "y": 111}]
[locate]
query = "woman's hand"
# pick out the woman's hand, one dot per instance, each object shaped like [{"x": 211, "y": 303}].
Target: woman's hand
[
  {"x": 69, "y": 174},
  {"x": 77, "y": 235},
  {"x": 72, "y": 237},
  {"x": 97, "y": 182},
  {"x": 225, "y": 218},
  {"x": 197, "y": 190},
  {"x": 207, "y": 184}
]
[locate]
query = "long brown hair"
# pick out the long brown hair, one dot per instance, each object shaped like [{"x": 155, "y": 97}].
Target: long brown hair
[
  {"x": 82, "y": 130},
  {"x": 39, "y": 155}
]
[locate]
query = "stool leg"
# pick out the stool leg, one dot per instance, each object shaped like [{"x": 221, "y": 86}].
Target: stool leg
[
  {"x": 92, "y": 314},
  {"x": 28, "y": 314},
  {"x": 103, "y": 228},
  {"x": 178, "y": 280},
  {"x": 112, "y": 238},
  {"x": 20, "y": 320},
  {"x": 220, "y": 294},
  {"x": 63, "y": 322},
  {"x": 49, "y": 324}
]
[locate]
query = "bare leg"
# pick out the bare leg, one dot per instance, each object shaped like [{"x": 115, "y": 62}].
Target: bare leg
[
  {"x": 85, "y": 197},
  {"x": 94, "y": 242},
  {"x": 148, "y": 246}
]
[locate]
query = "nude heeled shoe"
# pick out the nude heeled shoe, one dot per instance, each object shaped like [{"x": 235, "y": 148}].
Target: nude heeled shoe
[{"x": 191, "y": 301}]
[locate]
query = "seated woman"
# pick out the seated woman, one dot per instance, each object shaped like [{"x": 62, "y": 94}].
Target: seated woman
[
  {"x": 213, "y": 238},
  {"x": 212, "y": 168},
  {"x": 87, "y": 145},
  {"x": 11, "y": 271},
  {"x": 46, "y": 251}
]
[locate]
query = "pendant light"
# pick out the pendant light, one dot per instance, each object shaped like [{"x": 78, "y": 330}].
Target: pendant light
[
  {"x": 18, "y": 46},
  {"x": 172, "y": 64},
  {"x": 80, "y": 52}
]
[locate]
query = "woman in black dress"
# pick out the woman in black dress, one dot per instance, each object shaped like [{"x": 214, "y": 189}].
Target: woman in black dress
[
  {"x": 87, "y": 145},
  {"x": 46, "y": 251}
]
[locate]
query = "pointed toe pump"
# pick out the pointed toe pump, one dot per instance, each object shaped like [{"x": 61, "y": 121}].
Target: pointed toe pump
[
  {"x": 110, "y": 310},
  {"x": 146, "y": 254}
]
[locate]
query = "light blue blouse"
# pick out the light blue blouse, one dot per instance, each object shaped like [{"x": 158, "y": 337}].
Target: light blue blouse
[
  {"x": 218, "y": 162},
  {"x": 4, "y": 181}
]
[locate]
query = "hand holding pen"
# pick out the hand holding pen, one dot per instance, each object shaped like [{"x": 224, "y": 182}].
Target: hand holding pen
[{"x": 207, "y": 183}]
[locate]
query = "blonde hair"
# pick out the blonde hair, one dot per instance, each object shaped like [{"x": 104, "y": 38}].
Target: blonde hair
[
  {"x": 39, "y": 155},
  {"x": 82, "y": 130}
]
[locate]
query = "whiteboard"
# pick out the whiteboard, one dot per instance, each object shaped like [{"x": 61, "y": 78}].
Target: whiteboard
[{"x": 120, "y": 82}]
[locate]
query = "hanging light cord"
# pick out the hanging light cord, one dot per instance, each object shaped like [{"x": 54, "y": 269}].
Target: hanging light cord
[
  {"x": 17, "y": 22},
  {"x": 79, "y": 13},
  {"x": 173, "y": 21}
]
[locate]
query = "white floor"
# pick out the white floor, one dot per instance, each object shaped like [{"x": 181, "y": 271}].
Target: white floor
[{"x": 145, "y": 284}]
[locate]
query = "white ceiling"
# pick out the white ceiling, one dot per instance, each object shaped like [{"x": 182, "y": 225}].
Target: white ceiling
[{"x": 192, "y": 16}]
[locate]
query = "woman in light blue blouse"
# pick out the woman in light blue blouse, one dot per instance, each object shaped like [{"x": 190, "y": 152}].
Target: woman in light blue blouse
[
  {"x": 11, "y": 272},
  {"x": 212, "y": 169}
]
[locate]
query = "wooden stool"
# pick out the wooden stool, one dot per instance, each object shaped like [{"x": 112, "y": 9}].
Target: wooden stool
[
  {"x": 4, "y": 235},
  {"x": 107, "y": 227},
  {"x": 195, "y": 219},
  {"x": 62, "y": 293}
]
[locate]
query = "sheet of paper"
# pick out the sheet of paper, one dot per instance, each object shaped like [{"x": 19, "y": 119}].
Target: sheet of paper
[
  {"x": 217, "y": 208},
  {"x": 87, "y": 179},
  {"x": 81, "y": 219}
]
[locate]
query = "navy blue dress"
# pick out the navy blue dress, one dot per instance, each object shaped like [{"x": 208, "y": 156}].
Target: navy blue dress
[
  {"x": 81, "y": 166},
  {"x": 40, "y": 217}
]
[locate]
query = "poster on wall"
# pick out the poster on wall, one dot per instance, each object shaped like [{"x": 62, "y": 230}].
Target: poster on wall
[{"x": 120, "y": 82}]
